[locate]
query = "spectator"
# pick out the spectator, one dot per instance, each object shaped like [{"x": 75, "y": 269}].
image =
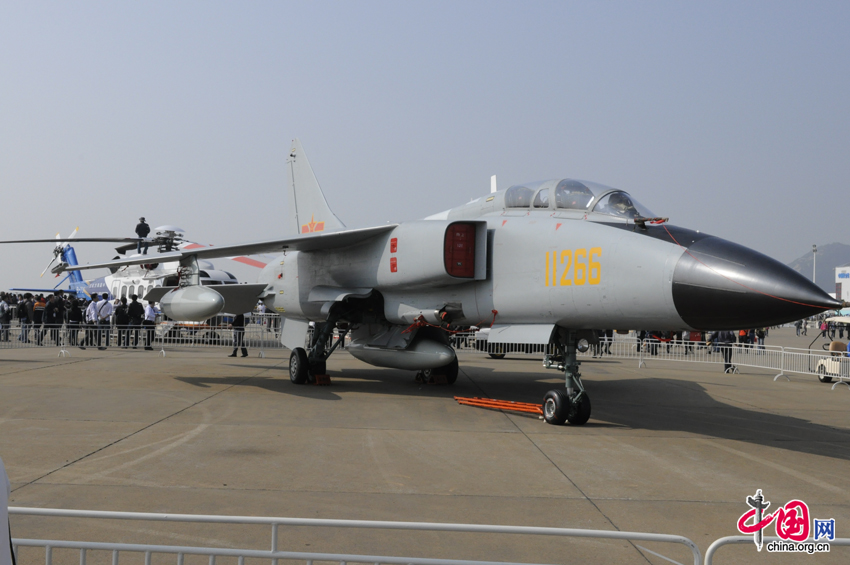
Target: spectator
[
  {"x": 238, "y": 326},
  {"x": 104, "y": 315},
  {"x": 38, "y": 318},
  {"x": 122, "y": 321},
  {"x": 49, "y": 319},
  {"x": 761, "y": 333},
  {"x": 136, "y": 313},
  {"x": 75, "y": 320},
  {"x": 150, "y": 324},
  {"x": 5, "y": 317},
  {"x": 91, "y": 321},
  {"x": 725, "y": 339},
  {"x": 25, "y": 317}
]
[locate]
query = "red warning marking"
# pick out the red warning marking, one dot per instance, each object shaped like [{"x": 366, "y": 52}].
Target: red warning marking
[
  {"x": 504, "y": 222},
  {"x": 393, "y": 265},
  {"x": 249, "y": 261},
  {"x": 557, "y": 226}
]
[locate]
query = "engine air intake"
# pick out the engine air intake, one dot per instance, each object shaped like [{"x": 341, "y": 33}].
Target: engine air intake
[{"x": 459, "y": 248}]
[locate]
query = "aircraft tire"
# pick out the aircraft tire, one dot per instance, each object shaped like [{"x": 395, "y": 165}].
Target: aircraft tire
[
  {"x": 822, "y": 377},
  {"x": 450, "y": 371},
  {"x": 579, "y": 413},
  {"x": 298, "y": 366},
  {"x": 556, "y": 405},
  {"x": 496, "y": 355}
]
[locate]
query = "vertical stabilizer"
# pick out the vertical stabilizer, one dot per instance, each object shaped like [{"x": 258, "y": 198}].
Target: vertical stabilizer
[{"x": 309, "y": 209}]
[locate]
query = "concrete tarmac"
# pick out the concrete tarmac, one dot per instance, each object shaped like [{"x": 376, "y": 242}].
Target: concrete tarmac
[{"x": 672, "y": 448}]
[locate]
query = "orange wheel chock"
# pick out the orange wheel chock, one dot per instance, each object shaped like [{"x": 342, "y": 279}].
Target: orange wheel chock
[{"x": 494, "y": 404}]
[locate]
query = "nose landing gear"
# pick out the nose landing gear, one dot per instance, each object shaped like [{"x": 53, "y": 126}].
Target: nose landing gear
[{"x": 573, "y": 404}]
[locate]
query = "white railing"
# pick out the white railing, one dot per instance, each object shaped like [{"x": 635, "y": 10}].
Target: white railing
[
  {"x": 262, "y": 331},
  {"x": 275, "y": 523},
  {"x": 827, "y": 366}
]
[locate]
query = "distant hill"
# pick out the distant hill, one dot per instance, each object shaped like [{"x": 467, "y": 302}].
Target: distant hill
[{"x": 829, "y": 256}]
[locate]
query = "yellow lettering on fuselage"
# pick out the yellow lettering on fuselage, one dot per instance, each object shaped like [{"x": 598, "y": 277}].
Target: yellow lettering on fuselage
[{"x": 578, "y": 267}]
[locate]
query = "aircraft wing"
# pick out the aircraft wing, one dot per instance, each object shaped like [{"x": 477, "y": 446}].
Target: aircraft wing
[{"x": 312, "y": 242}]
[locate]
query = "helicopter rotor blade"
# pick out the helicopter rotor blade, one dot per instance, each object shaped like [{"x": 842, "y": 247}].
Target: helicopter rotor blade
[
  {"x": 72, "y": 236},
  {"x": 86, "y": 239},
  {"x": 53, "y": 260}
]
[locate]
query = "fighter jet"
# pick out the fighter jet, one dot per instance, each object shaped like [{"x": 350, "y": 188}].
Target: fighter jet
[{"x": 547, "y": 261}]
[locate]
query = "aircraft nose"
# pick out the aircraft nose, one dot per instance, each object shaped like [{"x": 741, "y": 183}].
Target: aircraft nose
[{"x": 720, "y": 285}]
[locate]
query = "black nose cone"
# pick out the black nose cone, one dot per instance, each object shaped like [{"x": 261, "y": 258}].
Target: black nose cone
[{"x": 720, "y": 285}]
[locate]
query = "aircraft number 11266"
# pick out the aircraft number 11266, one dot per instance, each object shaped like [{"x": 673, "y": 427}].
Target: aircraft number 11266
[{"x": 574, "y": 270}]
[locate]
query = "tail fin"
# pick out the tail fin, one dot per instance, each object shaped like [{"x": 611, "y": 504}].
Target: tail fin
[{"x": 310, "y": 210}]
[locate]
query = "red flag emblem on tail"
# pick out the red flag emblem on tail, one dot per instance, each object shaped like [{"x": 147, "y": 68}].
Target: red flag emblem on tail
[{"x": 313, "y": 226}]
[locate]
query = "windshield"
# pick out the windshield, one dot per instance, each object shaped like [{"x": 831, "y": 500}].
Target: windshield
[
  {"x": 621, "y": 204},
  {"x": 518, "y": 197},
  {"x": 572, "y": 195},
  {"x": 580, "y": 195}
]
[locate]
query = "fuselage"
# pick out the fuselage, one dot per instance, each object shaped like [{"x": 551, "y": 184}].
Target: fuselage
[{"x": 576, "y": 268}]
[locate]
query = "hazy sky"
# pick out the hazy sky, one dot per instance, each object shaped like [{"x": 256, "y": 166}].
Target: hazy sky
[{"x": 728, "y": 117}]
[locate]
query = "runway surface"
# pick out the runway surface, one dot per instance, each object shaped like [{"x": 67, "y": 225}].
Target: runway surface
[{"x": 672, "y": 448}]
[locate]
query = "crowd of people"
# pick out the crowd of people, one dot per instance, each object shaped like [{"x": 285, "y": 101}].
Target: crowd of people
[
  {"x": 713, "y": 342},
  {"x": 88, "y": 322}
]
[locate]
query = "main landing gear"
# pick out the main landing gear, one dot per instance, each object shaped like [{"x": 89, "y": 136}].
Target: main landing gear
[
  {"x": 571, "y": 405},
  {"x": 304, "y": 366},
  {"x": 446, "y": 374}
]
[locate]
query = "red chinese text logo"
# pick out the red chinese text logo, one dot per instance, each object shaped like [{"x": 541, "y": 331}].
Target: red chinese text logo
[{"x": 792, "y": 521}]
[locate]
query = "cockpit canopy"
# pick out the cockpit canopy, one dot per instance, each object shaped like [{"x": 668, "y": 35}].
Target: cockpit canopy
[{"x": 569, "y": 194}]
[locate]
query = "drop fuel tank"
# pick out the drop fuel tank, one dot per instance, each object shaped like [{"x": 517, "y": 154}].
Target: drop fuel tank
[{"x": 192, "y": 303}]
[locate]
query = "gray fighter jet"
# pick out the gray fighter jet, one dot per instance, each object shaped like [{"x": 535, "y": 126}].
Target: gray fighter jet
[{"x": 542, "y": 262}]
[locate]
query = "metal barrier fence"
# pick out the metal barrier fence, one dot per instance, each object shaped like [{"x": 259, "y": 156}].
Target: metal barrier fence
[
  {"x": 262, "y": 331},
  {"x": 275, "y": 554},
  {"x": 827, "y": 366}
]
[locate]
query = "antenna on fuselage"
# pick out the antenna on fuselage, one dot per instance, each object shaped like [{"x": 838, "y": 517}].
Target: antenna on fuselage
[{"x": 492, "y": 184}]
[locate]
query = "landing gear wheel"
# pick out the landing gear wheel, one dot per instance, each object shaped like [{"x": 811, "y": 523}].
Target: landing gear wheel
[
  {"x": 822, "y": 376},
  {"x": 496, "y": 355},
  {"x": 556, "y": 405},
  {"x": 319, "y": 368},
  {"x": 450, "y": 371},
  {"x": 298, "y": 364},
  {"x": 579, "y": 412}
]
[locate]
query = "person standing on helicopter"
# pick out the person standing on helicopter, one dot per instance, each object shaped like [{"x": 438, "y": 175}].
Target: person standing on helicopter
[{"x": 142, "y": 230}]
